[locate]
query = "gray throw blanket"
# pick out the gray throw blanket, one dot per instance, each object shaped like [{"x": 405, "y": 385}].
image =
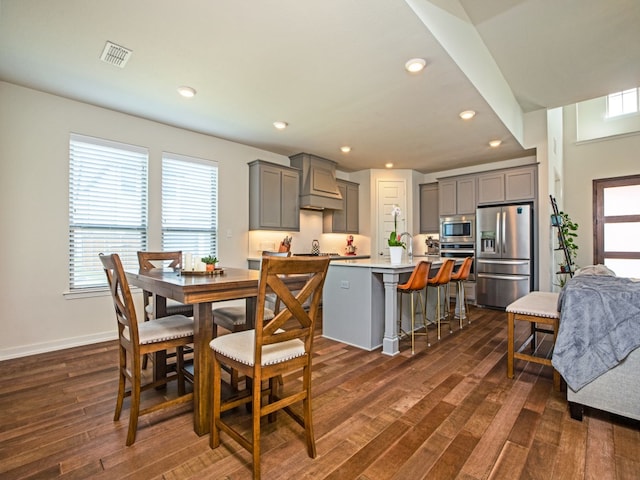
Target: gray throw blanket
[{"x": 599, "y": 327}]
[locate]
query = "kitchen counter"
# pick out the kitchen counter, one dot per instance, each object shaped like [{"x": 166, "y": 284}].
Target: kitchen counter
[
  {"x": 360, "y": 301},
  {"x": 254, "y": 262}
]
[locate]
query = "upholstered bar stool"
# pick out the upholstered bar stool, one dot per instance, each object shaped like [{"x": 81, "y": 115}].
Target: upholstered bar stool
[
  {"x": 458, "y": 278},
  {"x": 414, "y": 286},
  {"x": 440, "y": 281},
  {"x": 536, "y": 308}
]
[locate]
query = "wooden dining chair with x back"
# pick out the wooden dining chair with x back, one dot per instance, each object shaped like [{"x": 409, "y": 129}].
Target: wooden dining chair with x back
[
  {"x": 136, "y": 340},
  {"x": 148, "y": 261},
  {"x": 281, "y": 346}
]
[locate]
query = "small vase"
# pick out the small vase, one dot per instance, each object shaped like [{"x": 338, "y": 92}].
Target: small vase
[
  {"x": 395, "y": 255},
  {"x": 211, "y": 267}
]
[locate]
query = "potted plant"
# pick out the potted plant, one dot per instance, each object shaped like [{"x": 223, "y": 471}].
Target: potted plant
[
  {"x": 568, "y": 229},
  {"x": 211, "y": 261},
  {"x": 395, "y": 245}
]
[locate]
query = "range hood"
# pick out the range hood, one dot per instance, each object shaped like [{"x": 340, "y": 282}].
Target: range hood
[{"x": 318, "y": 186}]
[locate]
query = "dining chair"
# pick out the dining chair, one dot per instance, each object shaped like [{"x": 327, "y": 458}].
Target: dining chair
[
  {"x": 148, "y": 261},
  {"x": 439, "y": 281},
  {"x": 414, "y": 286},
  {"x": 458, "y": 278},
  {"x": 136, "y": 340},
  {"x": 281, "y": 346},
  {"x": 234, "y": 318}
]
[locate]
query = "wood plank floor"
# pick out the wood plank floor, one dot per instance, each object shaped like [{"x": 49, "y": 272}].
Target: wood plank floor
[{"x": 448, "y": 412}]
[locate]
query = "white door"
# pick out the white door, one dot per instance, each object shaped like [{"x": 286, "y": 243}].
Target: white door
[{"x": 390, "y": 194}]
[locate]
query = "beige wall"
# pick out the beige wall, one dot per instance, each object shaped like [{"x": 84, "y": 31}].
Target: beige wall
[{"x": 585, "y": 162}]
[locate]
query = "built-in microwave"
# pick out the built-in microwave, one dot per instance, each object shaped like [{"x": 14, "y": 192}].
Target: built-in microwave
[{"x": 457, "y": 229}]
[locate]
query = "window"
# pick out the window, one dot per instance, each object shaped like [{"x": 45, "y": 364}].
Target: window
[
  {"x": 617, "y": 224},
  {"x": 107, "y": 206},
  {"x": 189, "y": 205},
  {"x": 622, "y": 103}
]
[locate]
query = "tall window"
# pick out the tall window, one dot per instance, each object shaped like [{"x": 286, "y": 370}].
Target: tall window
[
  {"x": 107, "y": 206},
  {"x": 189, "y": 204},
  {"x": 617, "y": 224},
  {"x": 622, "y": 103}
]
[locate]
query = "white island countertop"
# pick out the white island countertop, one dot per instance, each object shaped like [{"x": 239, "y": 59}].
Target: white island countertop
[{"x": 384, "y": 263}]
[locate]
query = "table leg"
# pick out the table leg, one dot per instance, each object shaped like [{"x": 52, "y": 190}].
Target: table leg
[
  {"x": 203, "y": 333},
  {"x": 510, "y": 341},
  {"x": 390, "y": 343}
]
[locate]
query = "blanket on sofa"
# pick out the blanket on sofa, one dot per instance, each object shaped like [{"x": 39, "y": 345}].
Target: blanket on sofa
[{"x": 599, "y": 326}]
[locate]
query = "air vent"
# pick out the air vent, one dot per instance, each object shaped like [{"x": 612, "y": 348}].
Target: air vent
[{"x": 115, "y": 54}]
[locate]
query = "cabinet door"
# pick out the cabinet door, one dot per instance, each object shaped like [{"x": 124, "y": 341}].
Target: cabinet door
[
  {"x": 466, "y": 195},
  {"x": 270, "y": 196},
  {"x": 289, "y": 198},
  {"x": 339, "y": 217},
  {"x": 447, "y": 197},
  {"x": 353, "y": 209},
  {"x": 520, "y": 184},
  {"x": 491, "y": 188},
  {"x": 429, "y": 212}
]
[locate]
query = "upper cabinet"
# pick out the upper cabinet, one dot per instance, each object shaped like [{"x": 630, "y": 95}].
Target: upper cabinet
[
  {"x": 429, "y": 212},
  {"x": 273, "y": 197},
  {"x": 509, "y": 185},
  {"x": 457, "y": 196},
  {"x": 344, "y": 220}
]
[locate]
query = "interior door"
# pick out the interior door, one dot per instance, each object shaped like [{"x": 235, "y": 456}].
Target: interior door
[{"x": 390, "y": 193}]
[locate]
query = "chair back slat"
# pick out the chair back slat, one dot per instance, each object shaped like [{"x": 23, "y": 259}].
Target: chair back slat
[
  {"x": 293, "y": 320},
  {"x": 146, "y": 260},
  {"x": 121, "y": 296}
]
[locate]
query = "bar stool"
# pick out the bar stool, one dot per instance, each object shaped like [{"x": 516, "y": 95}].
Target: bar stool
[
  {"x": 416, "y": 283},
  {"x": 439, "y": 281},
  {"x": 459, "y": 277}
]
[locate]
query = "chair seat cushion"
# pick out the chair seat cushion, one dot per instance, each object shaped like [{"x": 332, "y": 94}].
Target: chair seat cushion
[
  {"x": 240, "y": 347},
  {"x": 232, "y": 318},
  {"x": 173, "y": 308},
  {"x": 163, "y": 329}
]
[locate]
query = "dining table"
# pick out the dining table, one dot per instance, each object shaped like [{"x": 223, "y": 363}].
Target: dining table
[{"x": 201, "y": 289}]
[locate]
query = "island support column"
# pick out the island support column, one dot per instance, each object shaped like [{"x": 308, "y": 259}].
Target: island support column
[{"x": 390, "y": 342}]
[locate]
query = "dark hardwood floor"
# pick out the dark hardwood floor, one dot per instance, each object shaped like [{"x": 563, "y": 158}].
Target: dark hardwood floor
[{"x": 447, "y": 412}]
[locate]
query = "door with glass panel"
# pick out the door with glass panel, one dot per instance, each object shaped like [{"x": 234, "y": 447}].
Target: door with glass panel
[{"x": 616, "y": 207}]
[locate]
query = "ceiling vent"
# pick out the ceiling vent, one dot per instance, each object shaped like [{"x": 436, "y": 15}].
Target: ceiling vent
[{"x": 115, "y": 54}]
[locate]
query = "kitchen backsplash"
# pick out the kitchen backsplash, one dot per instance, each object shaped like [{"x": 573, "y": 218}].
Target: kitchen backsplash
[{"x": 310, "y": 230}]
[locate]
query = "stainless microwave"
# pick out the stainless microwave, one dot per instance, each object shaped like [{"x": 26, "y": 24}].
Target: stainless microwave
[{"x": 458, "y": 229}]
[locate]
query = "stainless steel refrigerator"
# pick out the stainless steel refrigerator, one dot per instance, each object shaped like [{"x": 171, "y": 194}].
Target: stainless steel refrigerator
[{"x": 504, "y": 261}]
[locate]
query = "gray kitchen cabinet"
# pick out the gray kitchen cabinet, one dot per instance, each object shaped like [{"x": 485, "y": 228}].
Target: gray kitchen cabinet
[
  {"x": 345, "y": 220},
  {"x": 457, "y": 196},
  {"x": 429, "y": 212},
  {"x": 273, "y": 197},
  {"x": 507, "y": 185}
]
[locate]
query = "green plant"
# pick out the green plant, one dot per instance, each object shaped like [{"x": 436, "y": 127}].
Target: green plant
[
  {"x": 210, "y": 260},
  {"x": 394, "y": 238},
  {"x": 568, "y": 229}
]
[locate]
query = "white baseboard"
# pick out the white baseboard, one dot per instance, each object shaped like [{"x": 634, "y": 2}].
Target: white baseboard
[{"x": 34, "y": 349}]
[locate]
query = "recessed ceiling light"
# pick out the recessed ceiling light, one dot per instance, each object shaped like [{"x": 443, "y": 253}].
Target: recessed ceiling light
[
  {"x": 388, "y": 165},
  {"x": 280, "y": 125},
  {"x": 467, "y": 114},
  {"x": 495, "y": 143},
  {"x": 186, "y": 92},
  {"x": 345, "y": 149},
  {"x": 415, "y": 65}
]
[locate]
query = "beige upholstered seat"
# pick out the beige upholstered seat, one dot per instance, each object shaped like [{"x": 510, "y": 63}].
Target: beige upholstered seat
[
  {"x": 281, "y": 346},
  {"x": 139, "y": 339}
]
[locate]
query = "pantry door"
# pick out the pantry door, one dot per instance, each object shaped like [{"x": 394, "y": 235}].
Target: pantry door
[{"x": 390, "y": 193}]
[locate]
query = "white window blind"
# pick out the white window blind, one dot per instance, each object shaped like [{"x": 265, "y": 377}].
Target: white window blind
[
  {"x": 107, "y": 207},
  {"x": 189, "y": 205}
]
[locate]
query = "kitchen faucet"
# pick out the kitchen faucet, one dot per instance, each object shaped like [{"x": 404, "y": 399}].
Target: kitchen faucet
[{"x": 410, "y": 242}]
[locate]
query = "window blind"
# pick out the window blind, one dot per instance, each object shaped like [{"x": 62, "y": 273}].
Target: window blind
[
  {"x": 189, "y": 204},
  {"x": 107, "y": 206}
]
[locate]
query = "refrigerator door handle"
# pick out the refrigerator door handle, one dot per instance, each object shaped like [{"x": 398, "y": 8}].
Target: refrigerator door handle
[
  {"x": 498, "y": 239},
  {"x": 502, "y": 277},
  {"x": 504, "y": 232}
]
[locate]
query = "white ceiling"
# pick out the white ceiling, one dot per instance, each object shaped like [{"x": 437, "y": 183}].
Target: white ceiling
[{"x": 332, "y": 69}]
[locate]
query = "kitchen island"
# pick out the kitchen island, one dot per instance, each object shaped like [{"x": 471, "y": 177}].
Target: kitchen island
[{"x": 360, "y": 301}]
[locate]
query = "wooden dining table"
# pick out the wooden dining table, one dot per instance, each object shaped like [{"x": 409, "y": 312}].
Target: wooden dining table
[{"x": 201, "y": 290}]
